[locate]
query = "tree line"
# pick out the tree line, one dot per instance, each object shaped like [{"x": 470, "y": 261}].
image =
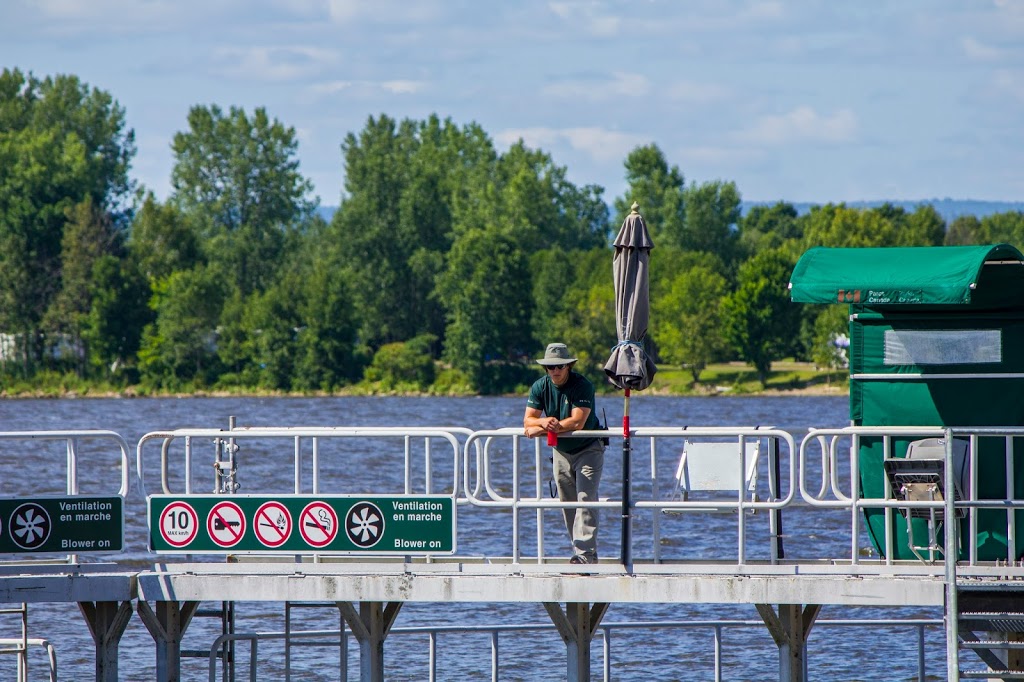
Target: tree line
[{"x": 446, "y": 268}]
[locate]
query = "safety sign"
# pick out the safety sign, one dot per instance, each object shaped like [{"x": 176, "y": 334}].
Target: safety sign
[
  {"x": 226, "y": 524},
  {"x": 179, "y": 524},
  {"x": 326, "y": 524},
  {"x": 273, "y": 524},
  {"x": 318, "y": 524},
  {"x": 74, "y": 524}
]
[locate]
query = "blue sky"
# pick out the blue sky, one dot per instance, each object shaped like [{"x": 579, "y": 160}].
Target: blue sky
[{"x": 797, "y": 100}]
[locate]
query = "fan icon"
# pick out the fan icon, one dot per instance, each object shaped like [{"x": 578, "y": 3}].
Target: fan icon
[
  {"x": 30, "y": 526},
  {"x": 364, "y": 524}
]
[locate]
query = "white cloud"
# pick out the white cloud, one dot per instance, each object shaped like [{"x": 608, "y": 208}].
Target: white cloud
[
  {"x": 402, "y": 87},
  {"x": 279, "y": 63},
  {"x": 975, "y": 49},
  {"x": 619, "y": 85},
  {"x": 384, "y": 11},
  {"x": 802, "y": 123},
  {"x": 697, "y": 93},
  {"x": 588, "y": 16},
  {"x": 598, "y": 143},
  {"x": 769, "y": 9},
  {"x": 368, "y": 88}
]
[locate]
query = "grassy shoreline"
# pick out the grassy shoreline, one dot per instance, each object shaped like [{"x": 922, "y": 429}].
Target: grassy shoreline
[{"x": 733, "y": 378}]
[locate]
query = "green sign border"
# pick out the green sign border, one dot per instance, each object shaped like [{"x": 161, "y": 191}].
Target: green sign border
[
  {"x": 415, "y": 525},
  {"x": 88, "y": 524}
]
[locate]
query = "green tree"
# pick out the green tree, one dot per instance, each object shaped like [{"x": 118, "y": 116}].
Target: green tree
[
  {"x": 963, "y": 231},
  {"x": 758, "y": 317},
  {"x": 488, "y": 319},
  {"x": 768, "y": 227},
  {"x": 712, "y": 214},
  {"x": 1005, "y": 227},
  {"x": 830, "y": 322},
  {"x": 240, "y": 174},
  {"x": 163, "y": 239},
  {"x": 61, "y": 142},
  {"x": 923, "y": 227},
  {"x": 588, "y": 327},
  {"x": 839, "y": 225},
  {"x": 118, "y": 313},
  {"x": 180, "y": 346},
  {"x": 659, "y": 189},
  {"x": 687, "y": 323},
  {"x": 87, "y": 238},
  {"x": 404, "y": 365}
]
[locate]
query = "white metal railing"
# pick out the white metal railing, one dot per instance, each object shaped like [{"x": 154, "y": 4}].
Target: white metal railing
[
  {"x": 20, "y": 647},
  {"x": 335, "y": 638},
  {"x": 73, "y": 440},
  {"x": 519, "y": 494},
  {"x": 298, "y": 436},
  {"x": 838, "y": 483}
]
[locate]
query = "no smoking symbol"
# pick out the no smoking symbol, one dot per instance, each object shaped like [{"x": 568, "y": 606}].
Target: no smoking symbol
[{"x": 318, "y": 524}]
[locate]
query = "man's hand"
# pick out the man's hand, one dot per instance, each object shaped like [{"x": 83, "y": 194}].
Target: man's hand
[{"x": 533, "y": 431}]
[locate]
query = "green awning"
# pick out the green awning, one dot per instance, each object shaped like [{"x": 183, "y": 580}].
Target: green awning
[{"x": 894, "y": 275}]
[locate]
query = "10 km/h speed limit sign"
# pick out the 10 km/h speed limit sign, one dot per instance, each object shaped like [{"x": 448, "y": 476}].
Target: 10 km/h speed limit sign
[
  {"x": 327, "y": 524},
  {"x": 179, "y": 524}
]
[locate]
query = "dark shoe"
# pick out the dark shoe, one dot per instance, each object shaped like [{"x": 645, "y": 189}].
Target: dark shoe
[{"x": 582, "y": 559}]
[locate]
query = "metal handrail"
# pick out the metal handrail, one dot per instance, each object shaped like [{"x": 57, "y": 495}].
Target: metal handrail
[
  {"x": 296, "y": 434},
  {"x": 20, "y": 647},
  {"x": 72, "y": 439},
  {"x": 605, "y": 631},
  {"x": 520, "y": 500}
]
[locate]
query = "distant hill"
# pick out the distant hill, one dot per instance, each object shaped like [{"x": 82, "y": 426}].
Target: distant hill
[{"x": 949, "y": 209}]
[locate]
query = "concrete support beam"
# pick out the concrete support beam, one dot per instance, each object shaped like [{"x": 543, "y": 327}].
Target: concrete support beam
[
  {"x": 790, "y": 628},
  {"x": 167, "y": 625},
  {"x": 370, "y": 626},
  {"x": 576, "y": 626},
  {"x": 107, "y": 621}
]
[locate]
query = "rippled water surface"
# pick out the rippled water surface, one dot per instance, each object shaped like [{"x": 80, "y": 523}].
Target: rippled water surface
[{"x": 535, "y": 654}]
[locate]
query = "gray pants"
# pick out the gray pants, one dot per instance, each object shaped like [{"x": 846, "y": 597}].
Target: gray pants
[{"x": 577, "y": 477}]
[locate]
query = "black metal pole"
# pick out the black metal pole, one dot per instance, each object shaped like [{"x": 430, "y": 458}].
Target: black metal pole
[{"x": 627, "y": 503}]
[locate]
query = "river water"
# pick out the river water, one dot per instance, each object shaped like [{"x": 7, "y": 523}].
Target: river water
[{"x": 748, "y": 653}]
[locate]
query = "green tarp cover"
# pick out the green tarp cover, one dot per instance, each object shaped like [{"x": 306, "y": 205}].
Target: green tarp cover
[{"x": 903, "y": 275}]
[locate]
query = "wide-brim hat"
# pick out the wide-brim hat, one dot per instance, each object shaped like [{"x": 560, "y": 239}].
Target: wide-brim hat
[{"x": 556, "y": 354}]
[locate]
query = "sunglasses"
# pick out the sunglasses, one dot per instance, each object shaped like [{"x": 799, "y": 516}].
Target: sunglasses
[{"x": 550, "y": 367}]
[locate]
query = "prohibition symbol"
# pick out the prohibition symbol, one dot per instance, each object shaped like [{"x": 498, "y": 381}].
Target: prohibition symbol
[
  {"x": 272, "y": 524},
  {"x": 364, "y": 524},
  {"x": 318, "y": 524},
  {"x": 29, "y": 526},
  {"x": 178, "y": 524},
  {"x": 225, "y": 524}
]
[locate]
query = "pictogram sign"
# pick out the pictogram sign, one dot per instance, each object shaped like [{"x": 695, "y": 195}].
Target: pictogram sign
[
  {"x": 179, "y": 524},
  {"x": 364, "y": 524},
  {"x": 29, "y": 526},
  {"x": 226, "y": 524},
  {"x": 272, "y": 524},
  {"x": 318, "y": 524}
]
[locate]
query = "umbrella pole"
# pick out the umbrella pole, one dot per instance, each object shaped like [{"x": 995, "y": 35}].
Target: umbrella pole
[{"x": 627, "y": 503}]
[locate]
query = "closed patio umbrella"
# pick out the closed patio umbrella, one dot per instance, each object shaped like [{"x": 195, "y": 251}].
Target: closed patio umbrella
[{"x": 628, "y": 367}]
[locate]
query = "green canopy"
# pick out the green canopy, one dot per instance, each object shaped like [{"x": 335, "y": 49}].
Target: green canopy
[{"x": 894, "y": 275}]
